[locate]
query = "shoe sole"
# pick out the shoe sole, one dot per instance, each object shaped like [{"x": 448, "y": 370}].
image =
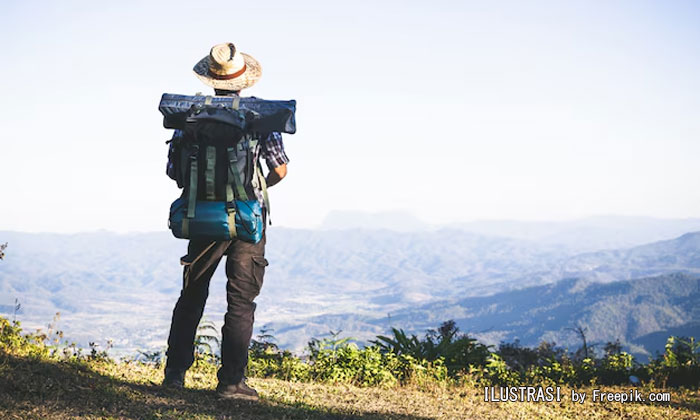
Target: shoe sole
[{"x": 238, "y": 397}]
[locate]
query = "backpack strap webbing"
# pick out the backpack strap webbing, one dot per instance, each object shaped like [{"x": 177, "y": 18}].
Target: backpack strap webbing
[
  {"x": 210, "y": 171},
  {"x": 231, "y": 219},
  {"x": 234, "y": 176},
  {"x": 263, "y": 186},
  {"x": 257, "y": 173},
  {"x": 250, "y": 164},
  {"x": 230, "y": 197},
  {"x": 192, "y": 199}
]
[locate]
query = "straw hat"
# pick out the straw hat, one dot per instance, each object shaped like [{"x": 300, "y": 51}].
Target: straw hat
[{"x": 227, "y": 68}]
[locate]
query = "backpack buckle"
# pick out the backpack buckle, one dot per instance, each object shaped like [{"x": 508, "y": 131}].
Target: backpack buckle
[{"x": 194, "y": 152}]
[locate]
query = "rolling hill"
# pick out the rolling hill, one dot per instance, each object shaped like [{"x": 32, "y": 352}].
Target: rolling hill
[{"x": 123, "y": 286}]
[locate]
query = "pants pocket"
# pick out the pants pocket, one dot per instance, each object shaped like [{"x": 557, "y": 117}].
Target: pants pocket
[{"x": 259, "y": 264}]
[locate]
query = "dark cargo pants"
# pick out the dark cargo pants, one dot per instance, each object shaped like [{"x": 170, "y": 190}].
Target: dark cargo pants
[{"x": 245, "y": 267}]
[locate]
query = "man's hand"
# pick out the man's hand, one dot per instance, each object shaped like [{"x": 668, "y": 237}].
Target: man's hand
[{"x": 276, "y": 174}]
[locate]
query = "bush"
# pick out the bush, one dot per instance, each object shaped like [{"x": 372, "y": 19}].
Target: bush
[
  {"x": 399, "y": 360},
  {"x": 349, "y": 364},
  {"x": 338, "y": 360},
  {"x": 679, "y": 365},
  {"x": 497, "y": 372},
  {"x": 10, "y": 335},
  {"x": 458, "y": 352},
  {"x": 615, "y": 369},
  {"x": 272, "y": 363}
]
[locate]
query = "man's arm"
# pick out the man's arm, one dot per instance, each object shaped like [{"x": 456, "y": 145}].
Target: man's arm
[
  {"x": 276, "y": 174},
  {"x": 275, "y": 157}
]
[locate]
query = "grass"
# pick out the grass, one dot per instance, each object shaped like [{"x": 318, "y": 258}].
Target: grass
[{"x": 37, "y": 387}]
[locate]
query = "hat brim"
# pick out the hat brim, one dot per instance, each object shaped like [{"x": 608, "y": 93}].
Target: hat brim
[{"x": 251, "y": 75}]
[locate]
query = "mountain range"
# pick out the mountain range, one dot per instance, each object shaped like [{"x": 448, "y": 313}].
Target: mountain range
[{"x": 363, "y": 281}]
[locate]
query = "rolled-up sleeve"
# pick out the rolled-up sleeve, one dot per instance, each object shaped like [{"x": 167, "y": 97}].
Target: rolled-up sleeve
[{"x": 272, "y": 149}]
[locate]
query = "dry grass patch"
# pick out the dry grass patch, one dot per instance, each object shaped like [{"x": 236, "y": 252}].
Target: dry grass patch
[{"x": 40, "y": 388}]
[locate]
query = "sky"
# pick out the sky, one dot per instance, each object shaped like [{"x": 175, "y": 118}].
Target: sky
[{"x": 450, "y": 110}]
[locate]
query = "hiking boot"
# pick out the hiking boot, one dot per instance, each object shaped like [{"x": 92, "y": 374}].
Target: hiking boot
[
  {"x": 174, "y": 378},
  {"x": 240, "y": 391}
]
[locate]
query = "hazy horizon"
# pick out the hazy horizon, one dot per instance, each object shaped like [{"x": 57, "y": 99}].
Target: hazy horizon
[{"x": 353, "y": 217}]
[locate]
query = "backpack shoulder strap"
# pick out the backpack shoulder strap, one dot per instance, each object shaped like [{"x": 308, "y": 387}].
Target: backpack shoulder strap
[
  {"x": 234, "y": 177},
  {"x": 257, "y": 177},
  {"x": 263, "y": 185},
  {"x": 210, "y": 172},
  {"x": 192, "y": 199}
]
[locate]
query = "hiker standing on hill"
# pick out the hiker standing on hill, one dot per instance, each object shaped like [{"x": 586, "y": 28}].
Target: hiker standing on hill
[{"x": 228, "y": 71}]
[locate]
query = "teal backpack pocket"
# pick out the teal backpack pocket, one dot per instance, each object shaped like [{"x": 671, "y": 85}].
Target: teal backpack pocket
[{"x": 218, "y": 220}]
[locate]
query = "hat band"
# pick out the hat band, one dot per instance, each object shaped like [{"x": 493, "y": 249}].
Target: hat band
[{"x": 228, "y": 76}]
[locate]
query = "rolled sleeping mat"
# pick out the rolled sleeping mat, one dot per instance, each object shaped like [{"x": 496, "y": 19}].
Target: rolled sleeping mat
[
  {"x": 212, "y": 221},
  {"x": 266, "y": 116}
]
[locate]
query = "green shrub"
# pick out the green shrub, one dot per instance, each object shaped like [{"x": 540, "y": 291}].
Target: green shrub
[
  {"x": 349, "y": 364},
  {"x": 272, "y": 363},
  {"x": 400, "y": 360},
  {"x": 10, "y": 335},
  {"x": 497, "y": 372},
  {"x": 615, "y": 369},
  {"x": 679, "y": 365},
  {"x": 340, "y": 361},
  {"x": 457, "y": 351},
  {"x": 585, "y": 372}
]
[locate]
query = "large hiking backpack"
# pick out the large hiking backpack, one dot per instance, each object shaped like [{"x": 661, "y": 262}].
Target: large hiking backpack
[{"x": 214, "y": 160}]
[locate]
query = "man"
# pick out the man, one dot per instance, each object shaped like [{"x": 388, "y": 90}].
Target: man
[{"x": 228, "y": 71}]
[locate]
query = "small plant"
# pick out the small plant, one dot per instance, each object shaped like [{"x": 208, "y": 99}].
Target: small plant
[
  {"x": 205, "y": 341},
  {"x": 100, "y": 355},
  {"x": 10, "y": 334},
  {"x": 499, "y": 373},
  {"x": 680, "y": 363},
  {"x": 150, "y": 357},
  {"x": 458, "y": 351},
  {"x": 400, "y": 344},
  {"x": 267, "y": 361},
  {"x": 264, "y": 341},
  {"x": 315, "y": 345},
  {"x": 586, "y": 350},
  {"x": 615, "y": 368},
  {"x": 15, "y": 310}
]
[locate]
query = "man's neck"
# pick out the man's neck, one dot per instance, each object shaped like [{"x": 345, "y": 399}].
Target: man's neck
[{"x": 223, "y": 92}]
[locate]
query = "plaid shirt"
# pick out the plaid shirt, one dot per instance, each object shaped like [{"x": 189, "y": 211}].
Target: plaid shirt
[{"x": 272, "y": 150}]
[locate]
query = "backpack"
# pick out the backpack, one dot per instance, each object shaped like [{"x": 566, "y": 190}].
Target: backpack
[{"x": 212, "y": 158}]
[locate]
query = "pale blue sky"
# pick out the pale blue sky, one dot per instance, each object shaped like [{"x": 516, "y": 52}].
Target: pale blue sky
[{"x": 453, "y": 111}]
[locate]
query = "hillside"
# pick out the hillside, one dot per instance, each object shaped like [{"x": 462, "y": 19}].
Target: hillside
[
  {"x": 96, "y": 279},
  {"x": 36, "y": 385},
  {"x": 123, "y": 287},
  {"x": 641, "y": 313}
]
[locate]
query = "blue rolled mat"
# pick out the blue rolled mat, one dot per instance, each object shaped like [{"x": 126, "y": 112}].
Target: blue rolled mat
[
  {"x": 211, "y": 220},
  {"x": 265, "y": 116}
]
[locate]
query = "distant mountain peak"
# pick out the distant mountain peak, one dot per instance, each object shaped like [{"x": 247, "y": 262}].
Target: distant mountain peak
[{"x": 690, "y": 237}]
